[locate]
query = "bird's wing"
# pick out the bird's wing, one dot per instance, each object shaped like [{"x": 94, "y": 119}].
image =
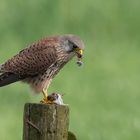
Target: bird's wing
[{"x": 33, "y": 60}]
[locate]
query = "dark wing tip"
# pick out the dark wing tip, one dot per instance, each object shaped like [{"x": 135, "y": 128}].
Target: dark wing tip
[{"x": 8, "y": 78}]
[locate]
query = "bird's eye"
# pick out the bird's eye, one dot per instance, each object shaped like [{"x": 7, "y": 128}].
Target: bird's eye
[
  {"x": 71, "y": 46},
  {"x": 74, "y": 46}
]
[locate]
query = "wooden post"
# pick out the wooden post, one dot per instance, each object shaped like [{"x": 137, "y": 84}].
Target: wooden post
[{"x": 45, "y": 122}]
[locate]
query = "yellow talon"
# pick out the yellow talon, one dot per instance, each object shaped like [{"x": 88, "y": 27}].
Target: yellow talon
[{"x": 46, "y": 101}]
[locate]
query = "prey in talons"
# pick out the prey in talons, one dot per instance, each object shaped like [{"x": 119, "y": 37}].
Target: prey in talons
[{"x": 53, "y": 98}]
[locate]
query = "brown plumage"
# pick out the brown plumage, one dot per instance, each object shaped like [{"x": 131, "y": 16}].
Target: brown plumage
[{"x": 41, "y": 61}]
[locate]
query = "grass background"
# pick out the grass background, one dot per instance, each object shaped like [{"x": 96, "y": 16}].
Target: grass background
[{"x": 104, "y": 95}]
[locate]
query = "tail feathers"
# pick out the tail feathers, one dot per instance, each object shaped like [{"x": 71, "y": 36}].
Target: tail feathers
[
  {"x": 8, "y": 78},
  {"x": 0, "y": 68}
]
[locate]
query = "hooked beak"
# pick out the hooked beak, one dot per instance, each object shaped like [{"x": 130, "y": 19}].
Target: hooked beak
[{"x": 79, "y": 53}]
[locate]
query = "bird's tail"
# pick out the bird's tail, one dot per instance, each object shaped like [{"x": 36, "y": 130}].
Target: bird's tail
[
  {"x": 8, "y": 78},
  {"x": 0, "y": 68}
]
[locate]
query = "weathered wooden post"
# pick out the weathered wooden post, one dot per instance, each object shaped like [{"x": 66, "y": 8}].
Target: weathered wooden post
[{"x": 45, "y": 122}]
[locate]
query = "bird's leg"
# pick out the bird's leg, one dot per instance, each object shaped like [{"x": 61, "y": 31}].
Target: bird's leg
[
  {"x": 46, "y": 99},
  {"x": 45, "y": 93}
]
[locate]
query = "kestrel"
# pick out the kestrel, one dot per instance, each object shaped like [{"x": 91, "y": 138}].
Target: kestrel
[{"x": 39, "y": 63}]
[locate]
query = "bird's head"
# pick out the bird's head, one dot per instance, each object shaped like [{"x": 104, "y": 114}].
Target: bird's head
[{"x": 73, "y": 44}]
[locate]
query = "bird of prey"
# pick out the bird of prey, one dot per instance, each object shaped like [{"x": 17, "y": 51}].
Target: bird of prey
[{"x": 38, "y": 64}]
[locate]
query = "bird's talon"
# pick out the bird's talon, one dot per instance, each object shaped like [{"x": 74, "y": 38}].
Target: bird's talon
[
  {"x": 54, "y": 98},
  {"x": 46, "y": 101}
]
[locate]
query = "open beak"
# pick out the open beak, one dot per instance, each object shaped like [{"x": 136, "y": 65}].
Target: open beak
[{"x": 79, "y": 53}]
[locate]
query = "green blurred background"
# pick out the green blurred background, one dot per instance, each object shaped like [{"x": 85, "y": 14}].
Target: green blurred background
[{"x": 104, "y": 95}]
